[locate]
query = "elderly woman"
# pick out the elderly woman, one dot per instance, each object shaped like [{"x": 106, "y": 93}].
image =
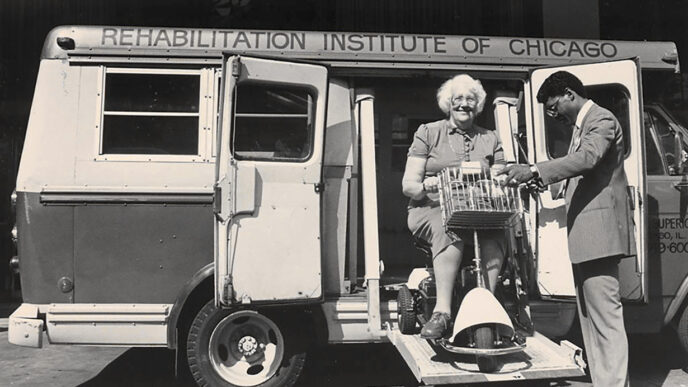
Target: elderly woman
[{"x": 436, "y": 145}]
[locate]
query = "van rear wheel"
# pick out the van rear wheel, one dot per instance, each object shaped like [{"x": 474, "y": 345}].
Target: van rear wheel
[{"x": 243, "y": 348}]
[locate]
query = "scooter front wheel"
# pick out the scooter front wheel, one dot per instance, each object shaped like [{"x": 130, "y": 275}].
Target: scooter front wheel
[
  {"x": 484, "y": 339},
  {"x": 406, "y": 313}
]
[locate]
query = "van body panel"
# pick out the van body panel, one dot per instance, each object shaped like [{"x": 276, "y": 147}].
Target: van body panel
[
  {"x": 338, "y": 165},
  {"x": 340, "y": 130},
  {"x": 335, "y": 229},
  {"x": 45, "y": 248},
  {"x": 144, "y": 251},
  {"x": 48, "y": 156},
  {"x": 668, "y": 230},
  {"x": 119, "y": 252},
  {"x": 62, "y": 146},
  {"x": 667, "y": 208},
  {"x": 667, "y": 239}
]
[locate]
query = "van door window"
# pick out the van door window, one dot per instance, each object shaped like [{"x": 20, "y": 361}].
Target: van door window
[
  {"x": 652, "y": 152},
  {"x": 151, "y": 113},
  {"x": 273, "y": 122},
  {"x": 611, "y": 97}
]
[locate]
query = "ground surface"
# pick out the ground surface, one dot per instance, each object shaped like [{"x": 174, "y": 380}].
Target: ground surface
[{"x": 656, "y": 360}]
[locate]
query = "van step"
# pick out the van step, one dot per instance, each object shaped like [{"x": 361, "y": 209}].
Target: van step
[{"x": 541, "y": 359}]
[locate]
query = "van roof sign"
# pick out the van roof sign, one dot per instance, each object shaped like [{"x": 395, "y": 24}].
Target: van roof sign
[{"x": 339, "y": 46}]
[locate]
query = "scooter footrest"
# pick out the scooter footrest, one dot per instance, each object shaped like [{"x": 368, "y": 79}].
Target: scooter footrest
[{"x": 510, "y": 348}]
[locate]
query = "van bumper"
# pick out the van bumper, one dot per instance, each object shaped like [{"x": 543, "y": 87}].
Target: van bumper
[{"x": 25, "y": 327}]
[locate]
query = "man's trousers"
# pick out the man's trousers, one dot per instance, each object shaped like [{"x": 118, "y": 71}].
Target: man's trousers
[{"x": 601, "y": 320}]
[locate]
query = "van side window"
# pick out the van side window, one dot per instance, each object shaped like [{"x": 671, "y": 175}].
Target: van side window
[
  {"x": 652, "y": 153},
  {"x": 611, "y": 97},
  {"x": 273, "y": 122},
  {"x": 150, "y": 113},
  {"x": 664, "y": 134}
]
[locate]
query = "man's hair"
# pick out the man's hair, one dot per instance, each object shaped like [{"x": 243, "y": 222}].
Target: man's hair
[{"x": 557, "y": 83}]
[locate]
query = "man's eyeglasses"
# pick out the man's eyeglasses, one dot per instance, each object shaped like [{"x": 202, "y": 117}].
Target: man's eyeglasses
[{"x": 553, "y": 109}]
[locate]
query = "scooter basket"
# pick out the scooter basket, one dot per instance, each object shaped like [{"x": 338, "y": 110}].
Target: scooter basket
[{"x": 472, "y": 199}]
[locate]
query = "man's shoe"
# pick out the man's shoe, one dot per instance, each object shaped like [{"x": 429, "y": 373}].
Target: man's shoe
[{"x": 436, "y": 327}]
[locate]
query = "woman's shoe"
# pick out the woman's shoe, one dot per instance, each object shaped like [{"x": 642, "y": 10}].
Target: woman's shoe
[{"x": 436, "y": 327}]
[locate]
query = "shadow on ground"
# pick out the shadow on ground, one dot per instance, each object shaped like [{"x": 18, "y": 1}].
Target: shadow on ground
[
  {"x": 333, "y": 366},
  {"x": 652, "y": 359}
]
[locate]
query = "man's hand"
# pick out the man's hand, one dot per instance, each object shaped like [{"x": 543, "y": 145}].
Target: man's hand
[{"x": 516, "y": 174}]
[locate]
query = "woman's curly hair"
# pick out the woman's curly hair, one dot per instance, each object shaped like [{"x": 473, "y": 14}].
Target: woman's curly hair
[{"x": 446, "y": 92}]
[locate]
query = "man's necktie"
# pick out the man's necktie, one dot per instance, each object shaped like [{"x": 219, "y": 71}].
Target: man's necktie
[{"x": 575, "y": 139}]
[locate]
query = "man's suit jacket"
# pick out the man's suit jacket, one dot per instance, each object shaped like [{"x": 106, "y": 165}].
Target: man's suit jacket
[{"x": 599, "y": 218}]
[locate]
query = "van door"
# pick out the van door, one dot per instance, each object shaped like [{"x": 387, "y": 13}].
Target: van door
[
  {"x": 615, "y": 86},
  {"x": 267, "y": 200},
  {"x": 667, "y": 202}
]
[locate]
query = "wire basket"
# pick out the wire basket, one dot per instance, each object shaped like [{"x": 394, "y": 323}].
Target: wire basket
[{"x": 471, "y": 199}]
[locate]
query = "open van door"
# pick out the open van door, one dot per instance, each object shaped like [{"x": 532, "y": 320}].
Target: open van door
[
  {"x": 615, "y": 86},
  {"x": 267, "y": 200}
]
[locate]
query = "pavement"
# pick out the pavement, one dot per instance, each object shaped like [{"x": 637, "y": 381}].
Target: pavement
[
  {"x": 6, "y": 308},
  {"x": 655, "y": 360},
  {"x": 53, "y": 365}
]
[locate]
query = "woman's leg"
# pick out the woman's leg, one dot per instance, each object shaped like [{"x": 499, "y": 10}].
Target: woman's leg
[{"x": 446, "y": 266}]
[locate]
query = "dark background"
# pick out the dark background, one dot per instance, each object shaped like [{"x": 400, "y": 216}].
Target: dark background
[{"x": 25, "y": 23}]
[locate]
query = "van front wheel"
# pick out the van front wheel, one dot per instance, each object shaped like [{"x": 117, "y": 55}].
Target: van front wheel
[
  {"x": 242, "y": 348},
  {"x": 682, "y": 329}
]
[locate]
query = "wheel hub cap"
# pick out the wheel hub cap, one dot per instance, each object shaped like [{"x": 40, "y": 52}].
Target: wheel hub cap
[
  {"x": 248, "y": 345},
  {"x": 246, "y": 348}
]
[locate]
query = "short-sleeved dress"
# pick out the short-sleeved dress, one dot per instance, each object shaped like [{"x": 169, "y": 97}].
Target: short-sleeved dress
[{"x": 443, "y": 145}]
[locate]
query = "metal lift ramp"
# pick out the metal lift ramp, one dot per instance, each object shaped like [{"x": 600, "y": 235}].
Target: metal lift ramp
[{"x": 542, "y": 359}]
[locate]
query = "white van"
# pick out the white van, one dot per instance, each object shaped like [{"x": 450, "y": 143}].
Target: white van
[{"x": 236, "y": 195}]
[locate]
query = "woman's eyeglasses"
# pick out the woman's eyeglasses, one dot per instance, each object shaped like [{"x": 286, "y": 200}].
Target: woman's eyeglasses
[{"x": 459, "y": 100}]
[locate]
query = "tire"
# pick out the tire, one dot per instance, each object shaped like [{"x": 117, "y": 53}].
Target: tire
[
  {"x": 484, "y": 339},
  {"x": 243, "y": 348},
  {"x": 406, "y": 312},
  {"x": 682, "y": 329}
]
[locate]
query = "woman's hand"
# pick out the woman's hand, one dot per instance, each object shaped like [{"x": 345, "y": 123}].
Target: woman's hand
[{"x": 431, "y": 184}]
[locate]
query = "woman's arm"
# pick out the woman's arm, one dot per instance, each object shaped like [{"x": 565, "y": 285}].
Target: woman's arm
[{"x": 412, "y": 182}]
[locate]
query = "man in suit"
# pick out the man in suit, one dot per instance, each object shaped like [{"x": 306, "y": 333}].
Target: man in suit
[{"x": 599, "y": 218}]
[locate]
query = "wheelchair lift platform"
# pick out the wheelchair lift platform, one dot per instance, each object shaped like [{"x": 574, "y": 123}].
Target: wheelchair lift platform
[{"x": 541, "y": 359}]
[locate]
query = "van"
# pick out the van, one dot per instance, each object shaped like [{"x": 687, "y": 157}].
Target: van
[{"x": 235, "y": 195}]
